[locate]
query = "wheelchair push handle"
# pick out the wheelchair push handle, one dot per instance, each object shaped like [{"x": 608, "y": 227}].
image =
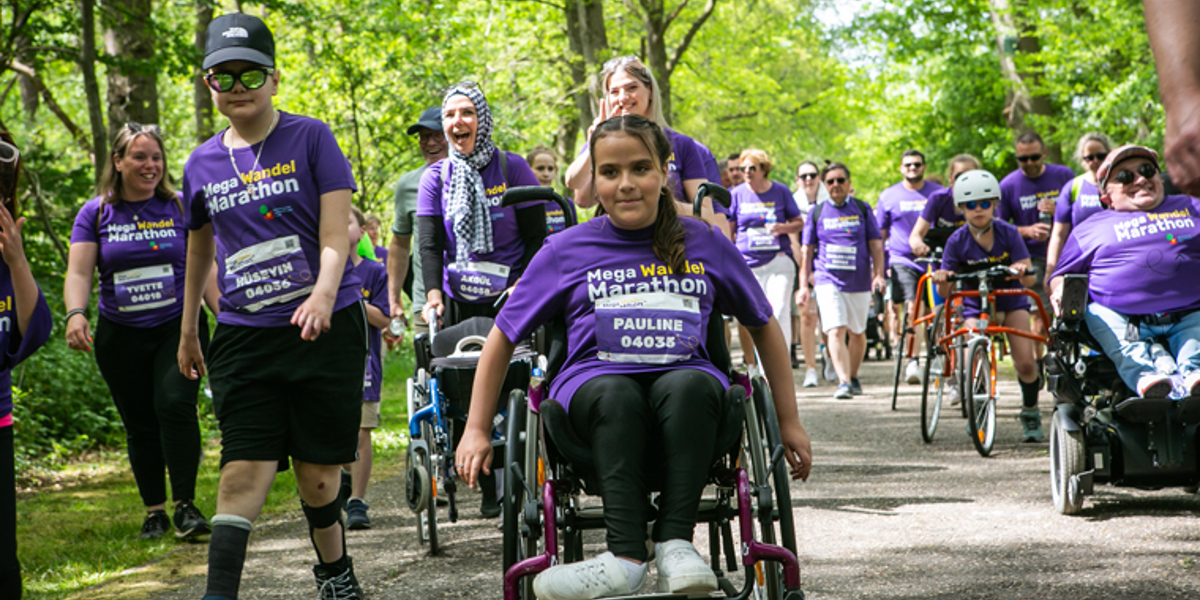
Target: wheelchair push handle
[
  {"x": 719, "y": 195},
  {"x": 995, "y": 272},
  {"x": 536, "y": 193}
]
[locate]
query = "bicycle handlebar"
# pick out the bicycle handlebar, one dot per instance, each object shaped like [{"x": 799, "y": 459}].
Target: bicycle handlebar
[{"x": 994, "y": 272}]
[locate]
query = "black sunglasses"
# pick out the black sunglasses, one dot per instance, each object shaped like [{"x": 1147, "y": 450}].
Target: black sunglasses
[
  {"x": 1095, "y": 157},
  {"x": 806, "y": 176},
  {"x": 749, "y": 169},
  {"x": 916, "y": 165},
  {"x": 251, "y": 79},
  {"x": 1126, "y": 177},
  {"x": 981, "y": 204},
  {"x": 1029, "y": 157},
  {"x": 836, "y": 180}
]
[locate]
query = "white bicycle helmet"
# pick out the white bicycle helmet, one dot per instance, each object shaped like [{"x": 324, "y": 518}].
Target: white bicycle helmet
[{"x": 976, "y": 185}]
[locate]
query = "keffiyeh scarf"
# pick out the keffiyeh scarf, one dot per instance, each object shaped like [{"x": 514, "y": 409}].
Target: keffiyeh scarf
[{"x": 467, "y": 208}]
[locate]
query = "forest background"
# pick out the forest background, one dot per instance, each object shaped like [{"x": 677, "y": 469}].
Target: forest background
[{"x": 857, "y": 82}]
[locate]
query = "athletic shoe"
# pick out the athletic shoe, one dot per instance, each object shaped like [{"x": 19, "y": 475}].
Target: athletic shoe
[
  {"x": 1191, "y": 383},
  {"x": 810, "y": 378},
  {"x": 855, "y": 386},
  {"x": 830, "y": 372},
  {"x": 955, "y": 392},
  {"x": 594, "y": 578},
  {"x": 912, "y": 373},
  {"x": 189, "y": 522},
  {"x": 336, "y": 580},
  {"x": 843, "y": 392},
  {"x": 489, "y": 508},
  {"x": 356, "y": 515},
  {"x": 1154, "y": 385},
  {"x": 681, "y": 570},
  {"x": 345, "y": 490},
  {"x": 155, "y": 525},
  {"x": 1031, "y": 425}
]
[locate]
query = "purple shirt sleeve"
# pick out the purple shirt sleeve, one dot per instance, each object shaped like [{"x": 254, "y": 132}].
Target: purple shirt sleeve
[
  {"x": 533, "y": 302},
  {"x": 1062, "y": 207},
  {"x": 429, "y": 191},
  {"x": 84, "y": 229}
]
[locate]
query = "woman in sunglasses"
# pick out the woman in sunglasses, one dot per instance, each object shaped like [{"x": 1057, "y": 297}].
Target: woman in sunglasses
[
  {"x": 1141, "y": 257},
  {"x": 1080, "y": 198},
  {"x": 133, "y": 233},
  {"x": 269, "y": 199},
  {"x": 983, "y": 242}
]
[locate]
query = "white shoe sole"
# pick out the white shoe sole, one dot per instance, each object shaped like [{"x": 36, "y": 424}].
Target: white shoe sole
[{"x": 688, "y": 584}]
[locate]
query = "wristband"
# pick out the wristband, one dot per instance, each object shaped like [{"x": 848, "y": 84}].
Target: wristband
[{"x": 73, "y": 312}]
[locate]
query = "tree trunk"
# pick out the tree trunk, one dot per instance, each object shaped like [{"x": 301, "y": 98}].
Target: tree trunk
[
  {"x": 87, "y": 64},
  {"x": 201, "y": 96},
  {"x": 654, "y": 44},
  {"x": 132, "y": 81},
  {"x": 588, "y": 38},
  {"x": 1013, "y": 37}
]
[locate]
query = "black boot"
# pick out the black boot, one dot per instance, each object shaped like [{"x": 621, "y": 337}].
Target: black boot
[{"x": 336, "y": 580}]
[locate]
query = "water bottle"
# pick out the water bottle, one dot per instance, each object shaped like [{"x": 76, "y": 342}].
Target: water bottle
[
  {"x": 1164, "y": 363},
  {"x": 396, "y": 327}
]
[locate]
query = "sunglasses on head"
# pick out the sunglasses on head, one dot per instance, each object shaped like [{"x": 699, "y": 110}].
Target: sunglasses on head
[
  {"x": 136, "y": 128},
  {"x": 1095, "y": 157},
  {"x": 251, "y": 79},
  {"x": 1024, "y": 158},
  {"x": 1126, "y": 177},
  {"x": 806, "y": 176},
  {"x": 612, "y": 64},
  {"x": 836, "y": 181},
  {"x": 913, "y": 165},
  {"x": 980, "y": 204},
  {"x": 8, "y": 152},
  {"x": 749, "y": 169}
]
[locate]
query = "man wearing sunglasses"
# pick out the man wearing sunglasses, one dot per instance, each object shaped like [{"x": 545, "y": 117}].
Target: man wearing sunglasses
[
  {"x": 1027, "y": 199},
  {"x": 1141, "y": 257}
]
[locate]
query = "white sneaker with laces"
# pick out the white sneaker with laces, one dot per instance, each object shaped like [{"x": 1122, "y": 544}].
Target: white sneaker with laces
[
  {"x": 830, "y": 372},
  {"x": 912, "y": 373},
  {"x": 599, "y": 577},
  {"x": 1191, "y": 383},
  {"x": 810, "y": 378},
  {"x": 681, "y": 570},
  {"x": 1154, "y": 385}
]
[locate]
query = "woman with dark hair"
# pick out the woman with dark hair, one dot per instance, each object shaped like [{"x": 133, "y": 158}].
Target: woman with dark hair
[
  {"x": 133, "y": 233},
  {"x": 661, "y": 397}
]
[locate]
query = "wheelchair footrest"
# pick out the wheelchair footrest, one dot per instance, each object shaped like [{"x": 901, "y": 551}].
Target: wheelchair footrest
[{"x": 1084, "y": 483}]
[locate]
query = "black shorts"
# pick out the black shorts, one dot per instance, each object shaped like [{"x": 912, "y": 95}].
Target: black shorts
[
  {"x": 904, "y": 283},
  {"x": 278, "y": 396}
]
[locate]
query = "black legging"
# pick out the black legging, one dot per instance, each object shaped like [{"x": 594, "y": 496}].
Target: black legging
[
  {"x": 157, "y": 404},
  {"x": 10, "y": 568},
  {"x": 649, "y": 431}
]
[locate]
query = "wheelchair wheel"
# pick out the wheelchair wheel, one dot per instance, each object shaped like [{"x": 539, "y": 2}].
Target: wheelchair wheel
[
  {"x": 901, "y": 354},
  {"x": 758, "y": 447},
  {"x": 938, "y": 368},
  {"x": 981, "y": 404},
  {"x": 427, "y": 520},
  {"x": 1067, "y": 459}
]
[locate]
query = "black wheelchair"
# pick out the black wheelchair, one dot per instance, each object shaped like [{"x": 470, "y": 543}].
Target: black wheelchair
[
  {"x": 549, "y": 471},
  {"x": 1090, "y": 440}
]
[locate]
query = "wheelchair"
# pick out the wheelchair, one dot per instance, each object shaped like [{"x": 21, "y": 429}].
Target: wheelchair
[
  {"x": 1090, "y": 442},
  {"x": 549, "y": 471},
  {"x": 439, "y": 395}
]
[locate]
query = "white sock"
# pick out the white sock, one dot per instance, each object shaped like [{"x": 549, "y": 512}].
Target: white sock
[{"x": 635, "y": 573}]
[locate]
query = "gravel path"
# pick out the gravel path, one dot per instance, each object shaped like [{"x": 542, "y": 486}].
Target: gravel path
[{"x": 883, "y": 516}]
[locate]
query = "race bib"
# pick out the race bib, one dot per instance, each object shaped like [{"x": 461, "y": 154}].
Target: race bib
[
  {"x": 267, "y": 273},
  {"x": 144, "y": 288},
  {"x": 758, "y": 239},
  {"x": 657, "y": 328},
  {"x": 477, "y": 280},
  {"x": 841, "y": 258}
]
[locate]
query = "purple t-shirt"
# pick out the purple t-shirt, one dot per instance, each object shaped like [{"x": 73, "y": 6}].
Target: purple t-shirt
[
  {"x": 481, "y": 276},
  {"x": 142, "y": 258},
  {"x": 751, "y": 213},
  {"x": 15, "y": 347},
  {"x": 556, "y": 221},
  {"x": 689, "y": 160},
  {"x": 940, "y": 211},
  {"x": 1020, "y": 195},
  {"x": 1140, "y": 262},
  {"x": 624, "y": 312},
  {"x": 843, "y": 256},
  {"x": 964, "y": 255},
  {"x": 381, "y": 255},
  {"x": 373, "y": 278},
  {"x": 897, "y": 211},
  {"x": 1086, "y": 204},
  {"x": 268, "y": 240}
]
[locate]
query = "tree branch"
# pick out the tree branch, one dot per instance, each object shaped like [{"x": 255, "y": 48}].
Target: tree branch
[
  {"x": 48, "y": 97},
  {"x": 745, "y": 115},
  {"x": 677, "y": 56},
  {"x": 557, "y": 6},
  {"x": 633, "y": 9},
  {"x": 674, "y": 14}
]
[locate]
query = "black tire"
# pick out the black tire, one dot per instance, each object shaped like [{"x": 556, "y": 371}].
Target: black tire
[
  {"x": 427, "y": 521},
  {"x": 513, "y": 502},
  {"x": 900, "y": 353},
  {"x": 760, "y": 445},
  {"x": 977, "y": 396},
  {"x": 937, "y": 371},
  {"x": 1068, "y": 457}
]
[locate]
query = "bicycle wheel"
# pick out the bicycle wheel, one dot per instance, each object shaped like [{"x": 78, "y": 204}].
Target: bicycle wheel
[
  {"x": 937, "y": 375},
  {"x": 901, "y": 355},
  {"x": 981, "y": 405}
]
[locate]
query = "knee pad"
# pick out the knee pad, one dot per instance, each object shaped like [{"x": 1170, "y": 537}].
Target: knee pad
[{"x": 323, "y": 516}]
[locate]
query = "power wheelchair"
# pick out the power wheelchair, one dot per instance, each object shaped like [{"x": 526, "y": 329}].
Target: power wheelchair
[{"x": 1090, "y": 441}]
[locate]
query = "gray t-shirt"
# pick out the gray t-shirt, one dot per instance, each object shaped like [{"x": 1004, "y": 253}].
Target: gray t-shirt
[{"x": 405, "y": 223}]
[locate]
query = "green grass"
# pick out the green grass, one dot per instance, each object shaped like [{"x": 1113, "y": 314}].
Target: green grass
[{"x": 86, "y": 534}]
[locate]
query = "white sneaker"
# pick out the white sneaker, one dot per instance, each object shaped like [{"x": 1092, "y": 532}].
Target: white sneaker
[
  {"x": 1154, "y": 385},
  {"x": 599, "y": 577},
  {"x": 1191, "y": 383},
  {"x": 912, "y": 373},
  {"x": 955, "y": 392},
  {"x": 810, "y": 378},
  {"x": 681, "y": 570},
  {"x": 830, "y": 372}
]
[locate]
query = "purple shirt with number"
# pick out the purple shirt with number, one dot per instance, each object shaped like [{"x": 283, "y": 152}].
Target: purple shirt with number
[
  {"x": 267, "y": 228},
  {"x": 752, "y": 213},
  {"x": 624, "y": 312},
  {"x": 1140, "y": 262},
  {"x": 940, "y": 211},
  {"x": 15, "y": 347},
  {"x": 897, "y": 211},
  {"x": 964, "y": 255},
  {"x": 843, "y": 255},
  {"x": 1086, "y": 203},
  {"x": 373, "y": 277},
  {"x": 1020, "y": 195},
  {"x": 141, "y": 256},
  {"x": 482, "y": 276}
]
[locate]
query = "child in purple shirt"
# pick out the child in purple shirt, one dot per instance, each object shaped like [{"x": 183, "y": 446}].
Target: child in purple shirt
[{"x": 636, "y": 286}]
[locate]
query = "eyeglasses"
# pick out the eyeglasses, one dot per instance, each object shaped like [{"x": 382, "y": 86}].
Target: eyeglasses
[
  {"x": 1024, "y": 158},
  {"x": 8, "y": 153},
  {"x": 136, "y": 128},
  {"x": 915, "y": 165},
  {"x": 1094, "y": 157},
  {"x": 980, "y": 204},
  {"x": 749, "y": 169},
  {"x": 251, "y": 79},
  {"x": 806, "y": 176},
  {"x": 1126, "y": 177},
  {"x": 836, "y": 181}
]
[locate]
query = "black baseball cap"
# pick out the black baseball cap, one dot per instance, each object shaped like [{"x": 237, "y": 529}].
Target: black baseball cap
[
  {"x": 430, "y": 119},
  {"x": 238, "y": 36}
]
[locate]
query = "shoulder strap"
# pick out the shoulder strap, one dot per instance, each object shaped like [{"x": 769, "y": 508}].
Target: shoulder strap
[
  {"x": 865, "y": 208},
  {"x": 814, "y": 215},
  {"x": 1075, "y": 187},
  {"x": 504, "y": 166}
]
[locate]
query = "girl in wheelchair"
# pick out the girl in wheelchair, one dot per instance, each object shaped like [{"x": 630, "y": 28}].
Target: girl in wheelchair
[{"x": 636, "y": 286}]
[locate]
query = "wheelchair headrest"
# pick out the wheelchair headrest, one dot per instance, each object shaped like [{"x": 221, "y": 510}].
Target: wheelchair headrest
[{"x": 453, "y": 339}]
